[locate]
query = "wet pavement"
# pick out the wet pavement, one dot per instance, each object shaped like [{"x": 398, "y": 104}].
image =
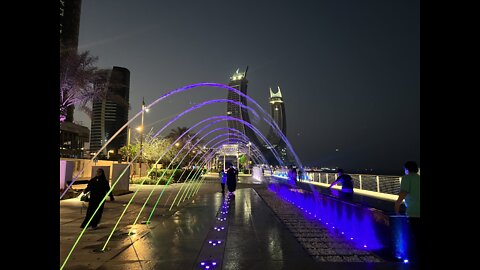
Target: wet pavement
[{"x": 254, "y": 237}]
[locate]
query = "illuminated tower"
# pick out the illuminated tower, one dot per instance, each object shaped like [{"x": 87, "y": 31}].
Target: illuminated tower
[
  {"x": 239, "y": 81},
  {"x": 277, "y": 111}
]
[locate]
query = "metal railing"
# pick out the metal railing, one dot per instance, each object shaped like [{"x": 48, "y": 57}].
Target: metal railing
[{"x": 375, "y": 183}]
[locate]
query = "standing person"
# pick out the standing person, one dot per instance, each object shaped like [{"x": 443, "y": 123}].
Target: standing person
[
  {"x": 223, "y": 179},
  {"x": 347, "y": 184},
  {"x": 410, "y": 192},
  {"x": 98, "y": 187},
  {"x": 231, "y": 178},
  {"x": 292, "y": 175}
]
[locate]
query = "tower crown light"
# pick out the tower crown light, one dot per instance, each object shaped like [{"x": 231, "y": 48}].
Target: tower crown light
[{"x": 237, "y": 75}]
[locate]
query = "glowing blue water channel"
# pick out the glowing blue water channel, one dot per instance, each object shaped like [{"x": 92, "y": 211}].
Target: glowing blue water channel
[
  {"x": 354, "y": 223},
  {"x": 366, "y": 228}
]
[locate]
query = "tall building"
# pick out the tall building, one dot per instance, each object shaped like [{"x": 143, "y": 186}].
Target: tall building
[
  {"x": 239, "y": 81},
  {"x": 111, "y": 113},
  {"x": 69, "y": 23},
  {"x": 277, "y": 112},
  {"x": 69, "y": 30},
  {"x": 73, "y": 137}
]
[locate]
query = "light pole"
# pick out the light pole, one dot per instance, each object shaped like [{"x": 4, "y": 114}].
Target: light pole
[
  {"x": 238, "y": 161},
  {"x": 109, "y": 152},
  {"x": 140, "y": 160},
  {"x": 128, "y": 136},
  {"x": 248, "y": 160}
]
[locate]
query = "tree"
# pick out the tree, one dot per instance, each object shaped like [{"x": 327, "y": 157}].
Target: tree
[
  {"x": 154, "y": 148},
  {"x": 128, "y": 152},
  {"x": 177, "y": 132},
  {"x": 77, "y": 74},
  {"x": 242, "y": 160},
  {"x": 81, "y": 82}
]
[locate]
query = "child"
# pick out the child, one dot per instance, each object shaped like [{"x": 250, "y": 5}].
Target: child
[{"x": 223, "y": 179}]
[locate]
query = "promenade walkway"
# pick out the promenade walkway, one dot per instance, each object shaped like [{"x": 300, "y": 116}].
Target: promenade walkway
[{"x": 260, "y": 232}]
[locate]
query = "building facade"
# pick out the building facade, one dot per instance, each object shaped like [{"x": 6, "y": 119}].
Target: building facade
[
  {"x": 73, "y": 137},
  {"x": 111, "y": 113},
  {"x": 69, "y": 29},
  {"x": 69, "y": 23},
  {"x": 277, "y": 112},
  {"x": 239, "y": 81}
]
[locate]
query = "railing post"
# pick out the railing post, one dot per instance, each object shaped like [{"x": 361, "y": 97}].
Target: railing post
[
  {"x": 326, "y": 177},
  {"x": 360, "y": 180},
  {"x": 378, "y": 184}
]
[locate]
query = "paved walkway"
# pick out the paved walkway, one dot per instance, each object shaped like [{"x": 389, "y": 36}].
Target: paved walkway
[{"x": 253, "y": 236}]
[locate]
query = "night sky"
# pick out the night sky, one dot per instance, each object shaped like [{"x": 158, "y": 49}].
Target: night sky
[{"x": 349, "y": 70}]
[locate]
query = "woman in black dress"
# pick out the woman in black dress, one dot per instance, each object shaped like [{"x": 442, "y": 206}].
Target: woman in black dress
[{"x": 98, "y": 187}]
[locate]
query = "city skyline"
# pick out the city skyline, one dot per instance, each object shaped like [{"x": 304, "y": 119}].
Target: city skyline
[{"x": 349, "y": 72}]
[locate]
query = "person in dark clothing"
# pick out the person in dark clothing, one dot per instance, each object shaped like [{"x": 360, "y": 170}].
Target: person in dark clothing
[
  {"x": 98, "y": 187},
  {"x": 347, "y": 184},
  {"x": 231, "y": 178},
  {"x": 292, "y": 175}
]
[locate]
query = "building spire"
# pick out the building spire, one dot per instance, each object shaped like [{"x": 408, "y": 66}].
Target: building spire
[
  {"x": 275, "y": 95},
  {"x": 279, "y": 93}
]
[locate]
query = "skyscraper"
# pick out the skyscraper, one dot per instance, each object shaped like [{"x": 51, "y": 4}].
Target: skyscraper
[
  {"x": 69, "y": 23},
  {"x": 73, "y": 137},
  {"x": 239, "y": 81},
  {"x": 69, "y": 29},
  {"x": 277, "y": 111},
  {"x": 111, "y": 113}
]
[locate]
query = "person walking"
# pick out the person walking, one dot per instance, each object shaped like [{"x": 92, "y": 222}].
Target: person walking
[
  {"x": 231, "y": 178},
  {"x": 223, "y": 179},
  {"x": 98, "y": 187}
]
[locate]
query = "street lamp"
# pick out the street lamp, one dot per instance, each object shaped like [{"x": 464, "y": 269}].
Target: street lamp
[
  {"x": 248, "y": 160},
  {"x": 140, "y": 160},
  {"x": 109, "y": 152}
]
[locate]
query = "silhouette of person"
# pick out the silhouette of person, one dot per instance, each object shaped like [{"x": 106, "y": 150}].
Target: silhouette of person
[
  {"x": 231, "y": 178},
  {"x": 410, "y": 192},
  {"x": 347, "y": 184},
  {"x": 98, "y": 187},
  {"x": 292, "y": 175},
  {"x": 223, "y": 179}
]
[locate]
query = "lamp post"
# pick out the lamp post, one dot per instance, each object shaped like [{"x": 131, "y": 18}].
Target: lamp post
[
  {"x": 128, "y": 136},
  {"x": 109, "y": 152},
  {"x": 248, "y": 160},
  {"x": 140, "y": 160},
  {"x": 238, "y": 160}
]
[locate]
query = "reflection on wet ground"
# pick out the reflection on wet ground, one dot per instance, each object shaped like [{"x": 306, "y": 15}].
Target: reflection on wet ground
[{"x": 256, "y": 235}]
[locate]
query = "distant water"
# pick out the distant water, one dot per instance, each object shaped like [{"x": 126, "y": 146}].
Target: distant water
[{"x": 391, "y": 172}]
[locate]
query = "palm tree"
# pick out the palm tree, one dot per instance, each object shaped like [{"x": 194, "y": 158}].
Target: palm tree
[
  {"x": 77, "y": 74},
  {"x": 81, "y": 82},
  {"x": 177, "y": 132}
]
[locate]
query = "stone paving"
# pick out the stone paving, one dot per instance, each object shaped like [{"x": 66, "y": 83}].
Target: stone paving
[
  {"x": 318, "y": 240},
  {"x": 264, "y": 232}
]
